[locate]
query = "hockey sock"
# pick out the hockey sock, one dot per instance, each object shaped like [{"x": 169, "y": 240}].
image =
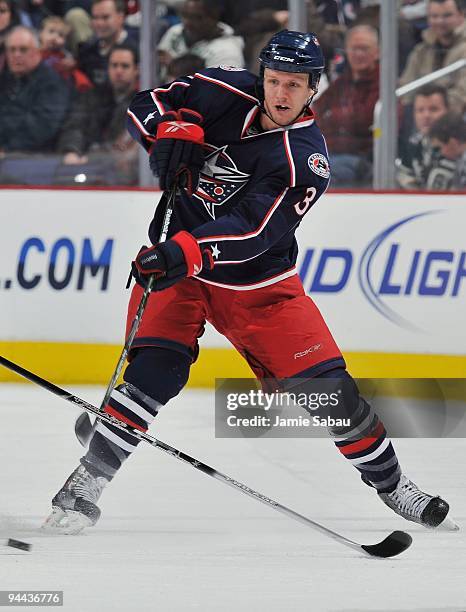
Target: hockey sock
[
  {"x": 110, "y": 446},
  {"x": 364, "y": 442},
  {"x": 152, "y": 378},
  {"x": 368, "y": 448}
]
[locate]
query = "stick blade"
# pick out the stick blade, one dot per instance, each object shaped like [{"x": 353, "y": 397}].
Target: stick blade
[
  {"x": 394, "y": 544},
  {"x": 83, "y": 428}
]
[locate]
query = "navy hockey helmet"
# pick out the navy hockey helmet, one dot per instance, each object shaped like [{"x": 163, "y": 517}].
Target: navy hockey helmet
[{"x": 293, "y": 52}]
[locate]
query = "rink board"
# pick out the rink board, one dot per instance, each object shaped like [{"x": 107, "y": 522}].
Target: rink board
[{"x": 388, "y": 271}]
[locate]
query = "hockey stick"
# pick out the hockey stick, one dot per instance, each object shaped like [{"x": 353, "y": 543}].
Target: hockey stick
[
  {"x": 83, "y": 427},
  {"x": 393, "y": 544}
]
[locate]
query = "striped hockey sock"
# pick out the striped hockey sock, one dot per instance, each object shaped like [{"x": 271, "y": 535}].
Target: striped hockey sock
[
  {"x": 110, "y": 446},
  {"x": 368, "y": 448}
]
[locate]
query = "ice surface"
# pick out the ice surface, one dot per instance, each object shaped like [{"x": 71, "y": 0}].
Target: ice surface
[{"x": 172, "y": 539}]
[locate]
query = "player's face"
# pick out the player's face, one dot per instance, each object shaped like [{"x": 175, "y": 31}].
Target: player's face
[
  {"x": 427, "y": 109},
  {"x": 444, "y": 18},
  {"x": 286, "y": 94},
  {"x": 107, "y": 22},
  {"x": 122, "y": 71},
  {"x": 22, "y": 54}
]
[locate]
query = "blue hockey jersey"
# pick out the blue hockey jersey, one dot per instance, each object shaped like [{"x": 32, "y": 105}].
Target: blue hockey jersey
[{"x": 255, "y": 186}]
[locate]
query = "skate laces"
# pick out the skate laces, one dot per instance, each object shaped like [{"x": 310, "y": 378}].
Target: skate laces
[
  {"x": 409, "y": 499},
  {"x": 84, "y": 485}
]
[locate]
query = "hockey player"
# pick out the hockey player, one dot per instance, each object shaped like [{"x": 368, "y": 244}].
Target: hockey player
[{"x": 250, "y": 161}]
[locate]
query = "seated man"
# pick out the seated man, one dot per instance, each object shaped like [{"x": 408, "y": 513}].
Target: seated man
[
  {"x": 203, "y": 34},
  {"x": 449, "y": 135},
  {"x": 108, "y": 24},
  {"x": 345, "y": 111},
  {"x": 33, "y": 98},
  {"x": 417, "y": 156},
  {"x": 444, "y": 43},
  {"x": 95, "y": 132}
]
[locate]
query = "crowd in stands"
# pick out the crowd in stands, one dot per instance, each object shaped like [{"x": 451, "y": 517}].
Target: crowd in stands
[{"x": 68, "y": 69}]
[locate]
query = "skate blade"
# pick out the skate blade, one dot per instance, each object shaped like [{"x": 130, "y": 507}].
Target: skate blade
[
  {"x": 65, "y": 522},
  {"x": 448, "y": 524}
]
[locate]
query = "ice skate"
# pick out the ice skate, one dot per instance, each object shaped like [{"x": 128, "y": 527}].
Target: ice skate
[
  {"x": 411, "y": 503},
  {"x": 74, "y": 506}
]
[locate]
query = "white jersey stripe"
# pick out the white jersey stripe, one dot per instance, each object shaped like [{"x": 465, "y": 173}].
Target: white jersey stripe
[
  {"x": 289, "y": 154},
  {"x": 139, "y": 125},
  {"x": 248, "y": 119},
  {"x": 105, "y": 431},
  {"x": 160, "y": 107},
  {"x": 264, "y": 283},
  {"x": 204, "y": 77},
  {"x": 257, "y": 231}
]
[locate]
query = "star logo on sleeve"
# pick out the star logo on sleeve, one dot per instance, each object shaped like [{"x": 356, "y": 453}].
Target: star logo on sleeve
[{"x": 215, "y": 251}]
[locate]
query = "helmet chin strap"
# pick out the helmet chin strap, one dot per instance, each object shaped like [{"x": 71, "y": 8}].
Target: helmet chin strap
[{"x": 302, "y": 111}]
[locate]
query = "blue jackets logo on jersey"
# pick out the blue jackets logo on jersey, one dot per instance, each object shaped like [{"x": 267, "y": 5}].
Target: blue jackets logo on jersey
[{"x": 220, "y": 179}]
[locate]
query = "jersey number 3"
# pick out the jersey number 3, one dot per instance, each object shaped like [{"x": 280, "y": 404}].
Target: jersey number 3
[{"x": 302, "y": 207}]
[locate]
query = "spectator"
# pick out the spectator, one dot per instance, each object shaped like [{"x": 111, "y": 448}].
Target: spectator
[
  {"x": 255, "y": 21},
  {"x": 33, "y": 98},
  {"x": 449, "y": 135},
  {"x": 257, "y": 27},
  {"x": 418, "y": 156},
  {"x": 238, "y": 12},
  {"x": 184, "y": 65},
  {"x": 54, "y": 54},
  {"x": 78, "y": 17},
  {"x": 9, "y": 18},
  {"x": 415, "y": 11},
  {"x": 339, "y": 12},
  {"x": 370, "y": 15},
  {"x": 203, "y": 34},
  {"x": 37, "y": 11},
  {"x": 444, "y": 43},
  {"x": 95, "y": 131},
  {"x": 345, "y": 110},
  {"x": 108, "y": 18}
]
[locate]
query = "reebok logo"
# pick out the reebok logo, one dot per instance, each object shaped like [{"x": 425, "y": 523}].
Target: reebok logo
[
  {"x": 311, "y": 349},
  {"x": 176, "y": 126},
  {"x": 149, "y": 258},
  {"x": 148, "y": 118}
]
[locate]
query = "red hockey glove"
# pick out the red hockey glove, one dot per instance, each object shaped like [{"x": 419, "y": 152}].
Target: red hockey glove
[
  {"x": 177, "y": 152},
  {"x": 170, "y": 261}
]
